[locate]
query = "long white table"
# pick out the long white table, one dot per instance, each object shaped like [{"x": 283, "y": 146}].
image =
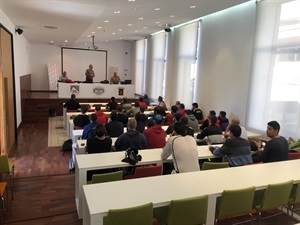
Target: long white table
[
  {"x": 88, "y": 162},
  {"x": 99, "y": 198},
  {"x": 95, "y": 90}
]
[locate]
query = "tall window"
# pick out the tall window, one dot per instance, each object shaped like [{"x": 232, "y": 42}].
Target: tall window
[
  {"x": 157, "y": 63},
  {"x": 275, "y": 86},
  {"x": 184, "y": 59},
  {"x": 140, "y": 66}
]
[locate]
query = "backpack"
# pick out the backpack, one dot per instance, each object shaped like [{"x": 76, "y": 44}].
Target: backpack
[
  {"x": 67, "y": 145},
  {"x": 132, "y": 156}
]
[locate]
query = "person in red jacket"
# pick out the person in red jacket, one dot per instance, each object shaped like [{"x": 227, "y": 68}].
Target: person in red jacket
[
  {"x": 101, "y": 116},
  {"x": 142, "y": 103},
  {"x": 155, "y": 135}
]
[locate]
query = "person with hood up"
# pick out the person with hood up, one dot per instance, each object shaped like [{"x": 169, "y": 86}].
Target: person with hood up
[
  {"x": 192, "y": 121},
  {"x": 101, "y": 116},
  {"x": 131, "y": 139},
  {"x": 155, "y": 135}
]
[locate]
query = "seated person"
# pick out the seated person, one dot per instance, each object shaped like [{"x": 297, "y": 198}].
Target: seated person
[
  {"x": 212, "y": 132},
  {"x": 189, "y": 130},
  {"x": 63, "y": 77},
  {"x": 293, "y": 144},
  {"x": 141, "y": 119},
  {"x": 89, "y": 130},
  {"x": 131, "y": 139},
  {"x": 196, "y": 111},
  {"x": 236, "y": 121},
  {"x": 134, "y": 110},
  {"x": 170, "y": 128},
  {"x": 82, "y": 119},
  {"x": 72, "y": 104},
  {"x": 100, "y": 143},
  {"x": 223, "y": 120},
  {"x": 169, "y": 118},
  {"x": 115, "y": 79},
  {"x": 142, "y": 103},
  {"x": 181, "y": 109},
  {"x": 155, "y": 135},
  {"x": 121, "y": 117},
  {"x": 206, "y": 122},
  {"x": 112, "y": 105},
  {"x": 192, "y": 121},
  {"x": 114, "y": 128},
  {"x": 275, "y": 149},
  {"x": 146, "y": 99},
  {"x": 126, "y": 104},
  {"x": 236, "y": 148},
  {"x": 101, "y": 116}
]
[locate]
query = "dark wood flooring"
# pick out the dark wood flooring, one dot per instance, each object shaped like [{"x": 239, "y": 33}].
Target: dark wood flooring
[{"x": 44, "y": 188}]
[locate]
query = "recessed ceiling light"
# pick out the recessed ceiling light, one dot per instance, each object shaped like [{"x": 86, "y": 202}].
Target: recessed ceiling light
[
  {"x": 120, "y": 29},
  {"x": 51, "y": 42},
  {"x": 157, "y": 22},
  {"x": 89, "y": 36},
  {"x": 106, "y": 21},
  {"x": 66, "y": 41},
  {"x": 192, "y": 6},
  {"x": 121, "y": 38},
  {"x": 141, "y": 18},
  {"x": 136, "y": 31},
  {"x": 99, "y": 27},
  {"x": 130, "y": 24},
  {"x": 113, "y": 33},
  {"x": 93, "y": 32},
  {"x": 131, "y": 0},
  {"x": 117, "y": 12},
  {"x": 157, "y": 9},
  {"x": 145, "y": 27},
  {"x": 85, "y": 43},
  {"x": 172, "y": 16}
]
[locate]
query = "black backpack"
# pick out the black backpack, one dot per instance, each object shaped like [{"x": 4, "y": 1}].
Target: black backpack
[{"x": 67, "y": 146}]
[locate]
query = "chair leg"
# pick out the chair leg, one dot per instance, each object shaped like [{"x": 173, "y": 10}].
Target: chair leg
[{"x": 3, "y": 207}]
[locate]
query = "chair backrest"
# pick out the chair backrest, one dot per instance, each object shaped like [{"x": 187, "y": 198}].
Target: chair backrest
[
  {"x": 276, "y": 195},
  {"x": 216, "y": 139},
  {"x": 214, "y": 165},
  {"x": 293, "y": 155},
  {"x": 146, "y": 171},
  {"x": 235, "y": 202},
  {"x": 138, "y": 215},
  {"x": 188, "y": 211},
  {"x": 4, "y": 164},
  {"x": 107, "y": 177},
  {"x": 295, "y": 195}
]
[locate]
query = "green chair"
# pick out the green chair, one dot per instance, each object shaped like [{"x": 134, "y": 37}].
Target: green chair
[
  {"x": 138, "y": 215},
  {"x": 106, "y": 177},
  {"x": 7, "y": 167},
  {"x": 189, "y": 211},
  {"x": 235, "y": 202},
  {"x": 214, "y": 165},
  {"x": 276, "y": 195},
  {"x": 294, "y": 199}
]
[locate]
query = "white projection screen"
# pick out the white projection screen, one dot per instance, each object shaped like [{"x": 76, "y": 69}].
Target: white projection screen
[{"x": 76, "y": 60}]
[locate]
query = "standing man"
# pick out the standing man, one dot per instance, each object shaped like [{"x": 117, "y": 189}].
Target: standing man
[
  {"x": 89, "y": 74},
  {"x": 275, "y": 149}
]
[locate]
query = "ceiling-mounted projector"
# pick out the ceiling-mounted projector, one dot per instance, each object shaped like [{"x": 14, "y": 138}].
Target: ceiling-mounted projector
[{"x": 93, "y": 47}]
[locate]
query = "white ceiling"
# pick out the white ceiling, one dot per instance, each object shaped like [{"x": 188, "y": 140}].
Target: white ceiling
[{"x": 75, "y": 20}]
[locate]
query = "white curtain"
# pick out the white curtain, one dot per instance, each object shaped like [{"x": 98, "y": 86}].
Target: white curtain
[
  {"x": 157, "y": 62},
  {"x": 275, "y": 86},
  {"x": 184, "y": 63},
  {"x": 140, "y": 66}
]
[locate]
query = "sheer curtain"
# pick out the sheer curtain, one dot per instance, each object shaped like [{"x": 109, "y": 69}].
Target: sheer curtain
[
  {"x": 184, "y": 65},
  {"x": 157, "y": 65},
  {"x": 275, "y": 86},
  {"x": 140, "y": 66}
]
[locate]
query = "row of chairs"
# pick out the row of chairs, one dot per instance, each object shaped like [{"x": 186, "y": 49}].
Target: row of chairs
[
  {"x": 193, "y": 210},
  {"x": 6, "y": 167}
]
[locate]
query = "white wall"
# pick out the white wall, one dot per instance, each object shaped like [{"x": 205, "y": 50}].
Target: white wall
[
  {"x": 225, "y": 60},
  {"x": 41, "y": 55},
  {"x": 21, "y": 60}
]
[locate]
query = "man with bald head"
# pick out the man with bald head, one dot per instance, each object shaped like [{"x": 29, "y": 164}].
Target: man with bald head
[
  {"x": 89, "y": 74},
  {"x": 236, "y": 121},
  {"x": 131, "y": 139}
]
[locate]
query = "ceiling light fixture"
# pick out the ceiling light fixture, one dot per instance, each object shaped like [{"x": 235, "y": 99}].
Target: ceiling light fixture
[{"x": 19, "y": 31}]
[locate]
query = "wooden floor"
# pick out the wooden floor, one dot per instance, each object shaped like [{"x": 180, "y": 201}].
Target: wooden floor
[{"x": 44, "y": 188}]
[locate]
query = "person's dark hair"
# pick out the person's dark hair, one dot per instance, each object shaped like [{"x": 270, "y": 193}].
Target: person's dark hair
[
  {"x": 73, "y": 96},
  {"x": 119, "y": 108},
  {"x": 188, "y": 112},
  {"x": 195, "y": 104},
  {"x": 146, "y": 96},
  {"x": 112, "y": 99},
  {"x": 184, "y": 119},
  {"x": 141, "y": 99},
  {"x": 182, "y": 106},
  {"x": 138, "y": 117},
  {"x": 113, "y": 116},
  {"x": 222, "y": 113},
  {"x": 159, "y": 110},
  {"x": 84, "y": 109},
  {"x": 97, "y": 107},
  {"x": 274, "y": 124},
  {"x": 93, "y": 117},
  {"x": 180, "y": 128},
  {"x": 177, "y": 116},
  {"x": 142, "y": 109},
  {"x": 136, "y": 104},
  {"x": 212, "y": 113},
  {"x": 174, "y": 109},
  {"x": 149, "y": 122},
  {"x": 235, "y": 130},
  {"x": 100, "y": 130},
  {"x": 213, "y": 119},
  {"x": 160, "y": 98}
]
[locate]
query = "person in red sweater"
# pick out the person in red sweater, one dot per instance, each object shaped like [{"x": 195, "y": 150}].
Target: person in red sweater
[
  {"x": 101, "y": 117},
  {"x": 155, "y": 135},
  {"x": 142, "y": 103},
  {"x": 169, "y": 118}
]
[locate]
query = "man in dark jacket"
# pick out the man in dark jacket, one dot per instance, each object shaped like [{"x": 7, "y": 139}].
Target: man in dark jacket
[
  {"x": 131, "y": 139},
  {"x": 72, "y": 104}
]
